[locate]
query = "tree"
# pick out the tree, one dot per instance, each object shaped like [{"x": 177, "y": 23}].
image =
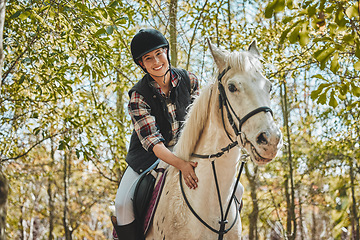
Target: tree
[
  {"x": 3, "y": 181},
  {"x": 67, "y": 70}
]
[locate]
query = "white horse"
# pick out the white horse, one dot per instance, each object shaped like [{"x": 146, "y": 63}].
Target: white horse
[{"x": 207, "y": 130}]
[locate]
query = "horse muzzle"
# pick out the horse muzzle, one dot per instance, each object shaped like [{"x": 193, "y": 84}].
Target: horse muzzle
[{"x": 265, "y": 146}]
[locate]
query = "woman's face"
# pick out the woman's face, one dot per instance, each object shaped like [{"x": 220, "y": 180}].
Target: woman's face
[{"x": 156, "y": 62}]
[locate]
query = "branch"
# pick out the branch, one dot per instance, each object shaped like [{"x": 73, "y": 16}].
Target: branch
[
  {"x": 36, "y": 144},
  {"x": 17, "y": 60},
  {"x": 296, "y": 57},
  {"x": 27, "y": 48},
  {"x": 194, "y": 33}
]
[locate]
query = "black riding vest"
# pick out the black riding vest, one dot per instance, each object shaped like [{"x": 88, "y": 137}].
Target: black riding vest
[{"x": 138, "y": 158}]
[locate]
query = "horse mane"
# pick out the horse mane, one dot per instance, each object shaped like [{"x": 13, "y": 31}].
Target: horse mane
[
  {"x": 197, "y": 116},
  {"x": 194, "y": 124}
]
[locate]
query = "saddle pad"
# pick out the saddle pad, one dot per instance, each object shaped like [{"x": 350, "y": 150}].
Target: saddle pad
[{"x": 154, "y": 200}]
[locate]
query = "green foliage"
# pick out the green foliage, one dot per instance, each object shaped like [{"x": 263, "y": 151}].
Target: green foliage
[
  {"x": 330, "y": 30},
  {"x": 63, "y": 98}
]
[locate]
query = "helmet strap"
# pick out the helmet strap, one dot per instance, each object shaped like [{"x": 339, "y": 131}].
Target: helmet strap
[{"x": 162, "y": 75}]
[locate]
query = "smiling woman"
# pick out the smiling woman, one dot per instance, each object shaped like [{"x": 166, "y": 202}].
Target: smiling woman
[{"x": 158, "y": 104}]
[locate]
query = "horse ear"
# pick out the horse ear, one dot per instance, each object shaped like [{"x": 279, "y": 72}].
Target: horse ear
[
  {"x": 253, "y": 49},
  {"x": 218, "y": 55}
]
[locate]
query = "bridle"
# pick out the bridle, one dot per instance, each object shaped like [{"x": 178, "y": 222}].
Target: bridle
[{"x": 224, "y": 103}]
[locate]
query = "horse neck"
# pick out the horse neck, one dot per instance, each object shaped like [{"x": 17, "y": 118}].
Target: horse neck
[{"x": 212, "y": 139}]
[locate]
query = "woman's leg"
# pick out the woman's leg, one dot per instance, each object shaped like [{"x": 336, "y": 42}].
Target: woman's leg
[
  {"x": 123, "y": 200},
  {"x": 124, "y": 196}
]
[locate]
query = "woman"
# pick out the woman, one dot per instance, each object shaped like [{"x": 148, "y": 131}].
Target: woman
[{"x": 157, "y": 106}]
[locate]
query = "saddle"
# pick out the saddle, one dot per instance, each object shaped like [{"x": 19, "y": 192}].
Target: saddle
[{"x": 147, "y": 194}]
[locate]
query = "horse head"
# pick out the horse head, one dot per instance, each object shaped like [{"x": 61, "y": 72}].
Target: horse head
[{"x": 245, "y": 102}]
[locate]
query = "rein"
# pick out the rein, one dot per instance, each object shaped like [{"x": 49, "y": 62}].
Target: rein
[
  {"x": 222, "y": 231},
  {"x": 224, "y": 102}
]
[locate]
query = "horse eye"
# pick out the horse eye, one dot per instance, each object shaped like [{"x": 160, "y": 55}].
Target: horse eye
[{"x": 232, "y": 88}]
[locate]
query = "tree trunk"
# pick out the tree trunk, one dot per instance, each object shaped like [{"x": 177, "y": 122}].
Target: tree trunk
[
  {"x": 173, "y": 34},
  {"x": 254, "y": 215},
  {"x": 2, "y": 22},
  {"x": 314, "y": 224},
  {"x": 289, "y": 179},
  {"x": 229, "y": 25},
  {"x": 4, "y": 187},
  {"x": 121, "y": 116},
  {"x": 66, "y": 197},
  {"x": 355, "y": 218},
  {"x": 301, "y": 217},
  {"x": 50, "y": 194}
]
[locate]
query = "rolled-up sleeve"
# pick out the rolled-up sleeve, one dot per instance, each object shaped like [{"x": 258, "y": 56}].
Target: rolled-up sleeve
[
  {"x": 144, "y": 123},
  {"x": 194, "y": 83}
]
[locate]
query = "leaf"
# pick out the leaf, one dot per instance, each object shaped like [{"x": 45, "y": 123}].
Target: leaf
[
  {"x": 36, "y": 130},
  {"x": 311, "y": 11},
  {"x": 284, "y": 34},
  {"x": 21, "y": 80},
  {"x": 121, "y": 20},
  {"x": 15, "y": 15},
  {"x": 357, "y": 50},
  {"x": 333, "y": 102},
  {"x": 110, "y": 30},
  {"x": 289, "y": 4},
  {"x": 322, "y": 98},
  {"x": 355, "y": 90},
  {"x": 314, "y": 94},
  {"x": 344, "y": 89},
  {"x": 304, "y": 37},
  {"x": 339, "y": 18},
  {"x": 324, "y": 54},
  {"x": 318, "y": 76},
  {"x": 269, "y": 10},
  {"x": 352, "y": 11},
  {"x": 324, "y": 85},
  {"x": 279, "y": 6},
  {"x": 357, "y": 65},
  {"x": 99, "y": 32},
  {"x": 294, "y": 35},
  {"x": 334, "y": 67},
  {"x": 333, "y": 28},
  {"x": 61, "y": 145},
  {"x": 24, "y": 15},
  {"x": 34, "y": 115},
  {"x": 113, "y": 4},
  {"x": 348, "y": 38}
]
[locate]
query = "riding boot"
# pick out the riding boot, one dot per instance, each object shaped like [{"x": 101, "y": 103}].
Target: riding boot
[{"x": 127, "y": 232}]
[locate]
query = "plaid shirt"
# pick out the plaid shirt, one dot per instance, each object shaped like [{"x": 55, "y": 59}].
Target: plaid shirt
[{"x": 145, "y": 124}]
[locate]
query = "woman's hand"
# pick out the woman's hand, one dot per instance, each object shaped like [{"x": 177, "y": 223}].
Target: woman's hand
[
  {"x": 190, "y": 178},
  {"x": 186, "y": 168}
]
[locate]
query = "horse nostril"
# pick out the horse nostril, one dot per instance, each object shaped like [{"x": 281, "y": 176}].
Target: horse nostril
[{"x": 262, "y": 139}]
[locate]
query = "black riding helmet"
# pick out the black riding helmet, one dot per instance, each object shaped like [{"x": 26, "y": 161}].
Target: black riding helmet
[{"x": 145, "y": 41}]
